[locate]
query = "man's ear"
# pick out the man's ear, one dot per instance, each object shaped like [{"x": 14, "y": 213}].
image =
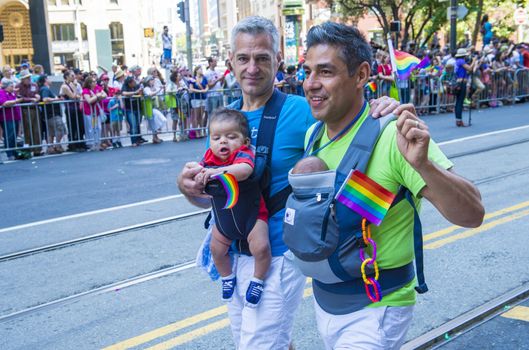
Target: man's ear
[
  {"x": 247, "y": 141},
  {"x": 279, "y": 58},
  {"x": 363, "y": 74}
]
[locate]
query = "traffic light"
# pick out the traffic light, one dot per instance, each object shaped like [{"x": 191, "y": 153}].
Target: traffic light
[{"x": 181, "y": 11}]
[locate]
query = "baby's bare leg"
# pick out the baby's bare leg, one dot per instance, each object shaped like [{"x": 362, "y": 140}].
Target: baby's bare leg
[
  {"x": 219, "y": 246},
  {"x": 260, "y": 248}
]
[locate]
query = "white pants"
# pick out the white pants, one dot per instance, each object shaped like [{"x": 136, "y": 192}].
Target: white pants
[
  {"x": 382, "y": 328},
  {"x": 269, "y": 326},
  {"x": 92, "y": 130}
]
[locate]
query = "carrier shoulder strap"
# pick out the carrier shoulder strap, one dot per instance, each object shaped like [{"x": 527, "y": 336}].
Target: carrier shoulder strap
[
  {"x": 264, "y": 147},
  {"x": 357, "y": 156}
]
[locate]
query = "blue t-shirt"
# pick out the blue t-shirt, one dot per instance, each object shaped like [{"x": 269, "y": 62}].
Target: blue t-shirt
[
  {"x": 294, "y": 121},
  {"x": 461, "y": 72},
  {"x": 488, "y": 30},
  {"x": 115, "y": 114},
  {"x": 199, "y": 95}
]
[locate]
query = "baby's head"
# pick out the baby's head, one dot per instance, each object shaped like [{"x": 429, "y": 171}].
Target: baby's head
[
  {"x": 228, "y": 131},
  {"x": 308, "y": 165}
]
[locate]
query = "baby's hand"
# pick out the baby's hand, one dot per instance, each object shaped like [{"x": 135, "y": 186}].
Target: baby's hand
[
  {"x": 208, "y": 173},
  {"x": 199, "y": 177}
]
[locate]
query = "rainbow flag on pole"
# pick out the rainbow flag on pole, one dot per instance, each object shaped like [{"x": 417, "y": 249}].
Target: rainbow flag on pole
[
  {"x": 372, "y": 86},
  {"x": 406, "y": 63},
  {"x": 364, "y": 196},
  {"x": 231, "y": 187}
]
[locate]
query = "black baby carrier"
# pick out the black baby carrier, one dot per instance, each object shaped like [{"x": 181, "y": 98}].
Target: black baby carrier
[{"x": 237, "y": 222}]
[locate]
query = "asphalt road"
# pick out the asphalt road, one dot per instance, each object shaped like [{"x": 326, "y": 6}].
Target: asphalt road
[{"x": 464, "y": 268}]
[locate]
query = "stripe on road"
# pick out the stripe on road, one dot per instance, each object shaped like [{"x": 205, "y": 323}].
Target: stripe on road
[
  {"x": 88, "y": 213},
  {"x": 191, "y": 335},
  {"x": 482, "y": 135},
  {"x": 173, "y": 327},
  {"x": 520, "y": 313},
  {"x": 475, "y": 231}
]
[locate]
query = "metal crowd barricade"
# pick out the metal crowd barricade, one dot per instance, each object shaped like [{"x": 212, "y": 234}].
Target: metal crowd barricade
[
  {"x": 521, "y": 79},
  {"x": 55, "y": 125}
]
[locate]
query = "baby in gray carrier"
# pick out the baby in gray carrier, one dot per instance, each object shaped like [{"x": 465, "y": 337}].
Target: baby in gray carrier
[{"x": 310, "y": 164}]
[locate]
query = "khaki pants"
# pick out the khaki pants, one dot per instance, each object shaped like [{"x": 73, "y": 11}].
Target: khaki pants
[{"x": 32, "y": 128}]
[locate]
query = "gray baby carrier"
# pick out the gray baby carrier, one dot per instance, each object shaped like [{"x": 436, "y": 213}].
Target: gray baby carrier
[{"x": 325, "y": 236}]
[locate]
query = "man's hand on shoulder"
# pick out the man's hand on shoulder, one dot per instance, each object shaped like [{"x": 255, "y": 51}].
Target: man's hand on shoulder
[{"x": 385, "y": 105}]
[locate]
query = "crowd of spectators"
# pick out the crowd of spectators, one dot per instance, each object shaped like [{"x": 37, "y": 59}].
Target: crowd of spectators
[
  {"x": 491, "y": 79},
  {"x": 94, "y": 111}
]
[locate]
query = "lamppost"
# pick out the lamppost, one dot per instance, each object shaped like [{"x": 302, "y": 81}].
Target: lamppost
[{"x": 453, "y": 26}]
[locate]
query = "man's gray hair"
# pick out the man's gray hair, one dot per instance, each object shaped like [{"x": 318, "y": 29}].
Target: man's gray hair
[
  {"x": 7, "y": 83},
  {"x": 256, "y": 25}
]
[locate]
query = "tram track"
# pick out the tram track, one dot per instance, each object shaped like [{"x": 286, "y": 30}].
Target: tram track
[
  {"x": 158, "y": 222},
  {"x": 440, "y": 336},
  {"x": 84, "y": 239},
  {"x": 161, "y": 272},
  {"x": 487, "y": 149},
  {"x": 166, "y": 271},
  {"x": 100, "y": 290}
]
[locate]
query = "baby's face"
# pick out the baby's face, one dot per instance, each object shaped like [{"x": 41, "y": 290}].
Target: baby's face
[{"x": 225, "y": 138}]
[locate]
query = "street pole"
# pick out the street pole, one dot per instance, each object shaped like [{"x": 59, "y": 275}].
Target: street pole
[
  {"x": 188, "y": 38},
  {"x": 453, "y": 26}
]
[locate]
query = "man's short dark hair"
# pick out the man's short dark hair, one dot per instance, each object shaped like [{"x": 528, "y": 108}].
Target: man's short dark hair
[
  {"x": 353, "y": 47},
  {"x": 230, "y": 115},
  {"x": 210, "y": 59}
]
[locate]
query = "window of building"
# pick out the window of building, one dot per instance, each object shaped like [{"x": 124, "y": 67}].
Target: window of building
[
  {"x": 52, "y": 2},
  {"x": 114, "y": 2},
  {"x": 84, "y": 32},
  {"x": 65, "y": 2},
  {"x": 65, "y": 59},
  {"x": 63, "y": 32},
  {"x": 117, "y": 41}
]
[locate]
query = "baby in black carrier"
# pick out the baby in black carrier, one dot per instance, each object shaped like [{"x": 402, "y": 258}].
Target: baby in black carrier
[{"x": 229, "y": 152}]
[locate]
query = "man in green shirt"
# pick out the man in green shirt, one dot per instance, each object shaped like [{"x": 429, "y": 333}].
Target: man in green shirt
[{"x": 337, "y": 67}]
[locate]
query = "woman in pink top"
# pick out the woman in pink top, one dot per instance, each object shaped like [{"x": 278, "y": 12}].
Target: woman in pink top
[
  {"x": 9, "y": 116},
  {"x": 92, "y": 110},
  {"x": 384, "y": 75}
]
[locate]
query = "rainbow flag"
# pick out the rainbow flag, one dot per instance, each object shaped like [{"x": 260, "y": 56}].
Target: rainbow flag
[
  {"x": 364, "y": 196},
  {"x": 372, "y": 86},
  {"x": 425, "y": 63},
  {"x": 231, "y": 187},
  {"x": 406, "y": 63}
]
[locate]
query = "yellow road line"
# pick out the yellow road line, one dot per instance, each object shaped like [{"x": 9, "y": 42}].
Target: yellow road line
[
  {"x": 475, "y": 231},
  {"x": 199, "y": 332},
  {"x": 173, "y": 327},
  {"x": 518, "y": 313},
  {"x": 187, "y": 337},
  {"x": 451, "y": 229}
]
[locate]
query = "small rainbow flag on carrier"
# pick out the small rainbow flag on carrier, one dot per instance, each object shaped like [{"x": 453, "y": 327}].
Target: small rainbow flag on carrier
[
  {"x": 231, "y": 187},
  {"x": 372, "y": 86},
  {"x": 366, "y": 197}
]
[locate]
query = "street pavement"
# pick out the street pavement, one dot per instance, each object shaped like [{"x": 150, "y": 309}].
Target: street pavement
[{"x": 100, "y": 191}]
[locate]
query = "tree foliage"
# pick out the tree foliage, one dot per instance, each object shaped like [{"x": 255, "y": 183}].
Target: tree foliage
[{"x": 421, "y": 18}]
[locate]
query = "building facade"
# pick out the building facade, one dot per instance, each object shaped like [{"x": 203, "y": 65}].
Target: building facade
[{"x": 91, "y": 33}]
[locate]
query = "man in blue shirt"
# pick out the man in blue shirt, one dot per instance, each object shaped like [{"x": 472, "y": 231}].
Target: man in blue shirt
[{"x": 255, "y": 59}]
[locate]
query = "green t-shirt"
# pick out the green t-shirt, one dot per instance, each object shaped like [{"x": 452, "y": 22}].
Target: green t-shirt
[{"x": 387, "y": 167}]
